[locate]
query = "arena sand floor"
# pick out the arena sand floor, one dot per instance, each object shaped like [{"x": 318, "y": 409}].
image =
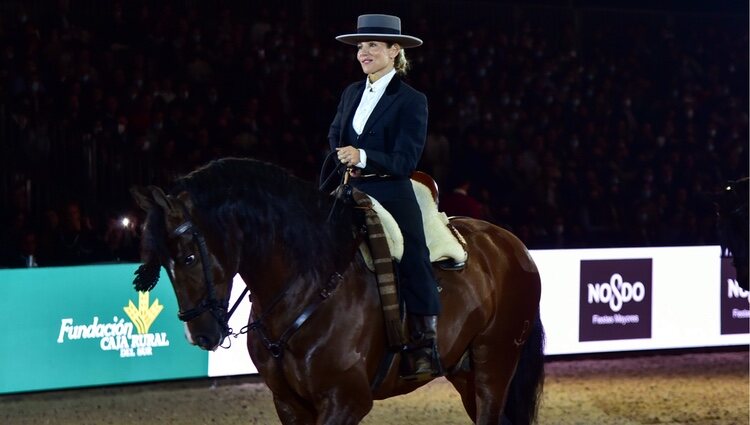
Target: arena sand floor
[{"x": 694, "y": 388}]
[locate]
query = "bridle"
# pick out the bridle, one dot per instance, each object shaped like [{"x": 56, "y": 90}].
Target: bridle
[
  {"x": 209, "y": 302},
  {"x": 218, "y": 309}
]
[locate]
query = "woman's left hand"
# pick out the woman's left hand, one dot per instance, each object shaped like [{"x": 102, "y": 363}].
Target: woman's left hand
[{"x": 348, "y": 155}]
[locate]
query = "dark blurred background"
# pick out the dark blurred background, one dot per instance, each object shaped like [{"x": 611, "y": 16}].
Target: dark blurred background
[{"x": 571, "y": 123}]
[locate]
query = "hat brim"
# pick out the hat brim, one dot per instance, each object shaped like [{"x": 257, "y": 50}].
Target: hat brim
[{"x": 405, "y": 41}]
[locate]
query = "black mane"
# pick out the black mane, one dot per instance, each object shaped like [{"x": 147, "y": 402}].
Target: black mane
[{"x": 268, "y": 203}]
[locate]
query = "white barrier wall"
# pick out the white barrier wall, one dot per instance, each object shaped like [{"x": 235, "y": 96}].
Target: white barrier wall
[
  {"x": 89, "y": 327},
  {"x": 608, "y": 300},
  {"x": 235, "y": 360},
  {"x": 605, "y": 300}
]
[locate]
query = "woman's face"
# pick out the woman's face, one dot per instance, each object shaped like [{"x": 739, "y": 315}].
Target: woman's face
[{"x": 376, "y": 58}]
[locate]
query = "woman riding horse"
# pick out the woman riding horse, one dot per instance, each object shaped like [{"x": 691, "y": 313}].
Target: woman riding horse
[
  {"x": 379, "y": 131},
  {"x": 316, "y": 330}
]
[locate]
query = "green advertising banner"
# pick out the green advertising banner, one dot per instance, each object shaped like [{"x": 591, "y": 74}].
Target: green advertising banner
[{"x": 68, "y": 327}]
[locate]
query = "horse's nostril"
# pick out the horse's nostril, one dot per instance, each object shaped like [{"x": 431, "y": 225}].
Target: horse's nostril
[{"x": 202, "y": 342}]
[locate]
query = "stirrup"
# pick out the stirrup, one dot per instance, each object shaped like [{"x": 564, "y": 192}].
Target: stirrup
[
  {"x": 411, "y": 356},
  {"x": 451, "y": 264}
]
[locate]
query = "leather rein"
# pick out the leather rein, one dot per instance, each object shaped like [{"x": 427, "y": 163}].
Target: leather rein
[{"x": 276, "y": 348}]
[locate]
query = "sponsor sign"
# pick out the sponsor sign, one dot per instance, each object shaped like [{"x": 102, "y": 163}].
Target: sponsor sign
[
  {"x": 81, "y": 326},
  {"x": 118, "y": 335},
  {"x": 615, "y": 299},
  {"x": 735, "y": 310}
]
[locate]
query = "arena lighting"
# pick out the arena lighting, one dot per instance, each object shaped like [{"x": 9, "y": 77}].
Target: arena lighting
[{"x": 125, "y": 222}]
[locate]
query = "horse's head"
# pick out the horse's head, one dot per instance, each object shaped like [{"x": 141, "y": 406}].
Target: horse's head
[{"x": 197, "y": 261}]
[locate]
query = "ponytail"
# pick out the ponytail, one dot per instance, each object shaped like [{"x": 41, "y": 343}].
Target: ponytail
[{"x": 400, "y": 63}]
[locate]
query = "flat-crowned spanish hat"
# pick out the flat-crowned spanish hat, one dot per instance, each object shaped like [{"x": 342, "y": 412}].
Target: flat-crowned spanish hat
[{"x": 377, "y": 27}]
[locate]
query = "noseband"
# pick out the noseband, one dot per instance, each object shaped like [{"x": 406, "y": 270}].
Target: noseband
[{"x": 209, "y": 302}]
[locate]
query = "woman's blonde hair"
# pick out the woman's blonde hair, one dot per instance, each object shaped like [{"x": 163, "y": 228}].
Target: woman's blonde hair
[{"x": 400, "y": 63}]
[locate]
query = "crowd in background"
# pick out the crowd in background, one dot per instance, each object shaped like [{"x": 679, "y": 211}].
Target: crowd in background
[{"x": 572, "y": 128}]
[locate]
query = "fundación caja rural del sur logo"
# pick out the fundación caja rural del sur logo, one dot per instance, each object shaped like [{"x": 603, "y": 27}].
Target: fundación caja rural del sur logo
[{"x": 118, "y": 334}]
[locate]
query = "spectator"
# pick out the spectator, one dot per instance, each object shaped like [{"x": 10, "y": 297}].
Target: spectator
[
  {"x": 536, "y": 116},
  {"x": 50, "y": 239},
  {"x": 79, "y": 241},
  {"x": 459, "y": 202},
  {"x": 26, "y": 252}
]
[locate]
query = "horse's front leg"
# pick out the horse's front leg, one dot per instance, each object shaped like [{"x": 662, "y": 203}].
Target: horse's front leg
[
  {"x": 347, "y": 401},
  {"x": 292, "y": 411},
  {"x": 291, "y": 408}
]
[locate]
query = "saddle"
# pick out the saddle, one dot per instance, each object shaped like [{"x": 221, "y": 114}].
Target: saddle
[
  {"x": 385, "y": 243},
  {"x": 447, "y": 246}
]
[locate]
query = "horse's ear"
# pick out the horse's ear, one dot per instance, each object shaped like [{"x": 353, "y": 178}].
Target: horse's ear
[
  {"x": 163, "y": 200},
  {"x": 142, "y": 197},
  {"x": 152, "y": 196}
]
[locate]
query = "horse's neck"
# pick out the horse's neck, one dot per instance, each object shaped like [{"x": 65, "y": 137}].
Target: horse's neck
[
  {"x": 274, "y": 275},
  {"x": 317, "y": 243},
  {"x": 279, "y": 300},
  {"x": 263, "y": 276}
]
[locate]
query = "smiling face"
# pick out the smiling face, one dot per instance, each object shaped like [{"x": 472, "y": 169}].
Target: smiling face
[{"x": 376, "y": 58}]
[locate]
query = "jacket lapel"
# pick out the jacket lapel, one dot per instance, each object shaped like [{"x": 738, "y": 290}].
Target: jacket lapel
[
  {"x": 352, "y": 105},
  {"x": 391, "y": 93}
]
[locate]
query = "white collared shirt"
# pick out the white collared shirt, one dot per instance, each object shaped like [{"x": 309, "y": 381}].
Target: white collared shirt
[
  {"x": 372, "y": 94},
  {"x": 370, "y": 97}
]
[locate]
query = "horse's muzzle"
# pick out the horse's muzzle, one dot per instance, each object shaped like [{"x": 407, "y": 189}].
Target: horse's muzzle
[
  {"x": 206, "y": 338},
  {"x": 206, "y": 342}
]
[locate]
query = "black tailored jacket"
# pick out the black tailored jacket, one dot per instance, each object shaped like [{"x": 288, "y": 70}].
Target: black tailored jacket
[
  {"x": 395, "y": 133},
  {"x": 393, "y": 138}
]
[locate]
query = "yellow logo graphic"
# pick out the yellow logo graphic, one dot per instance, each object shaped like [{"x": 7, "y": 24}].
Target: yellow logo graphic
[{"x": 144, "y": 315}]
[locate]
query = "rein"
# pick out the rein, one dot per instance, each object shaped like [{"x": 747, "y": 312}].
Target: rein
[
  {"x": 322, "y": 184},
  {"x": 276, "y": 348}
]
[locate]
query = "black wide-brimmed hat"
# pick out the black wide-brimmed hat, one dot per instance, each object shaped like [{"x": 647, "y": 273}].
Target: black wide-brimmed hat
[{"x": 379, "y": 28}]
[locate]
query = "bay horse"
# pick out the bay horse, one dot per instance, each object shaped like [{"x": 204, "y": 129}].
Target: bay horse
[{"x": 316, "y": 329}]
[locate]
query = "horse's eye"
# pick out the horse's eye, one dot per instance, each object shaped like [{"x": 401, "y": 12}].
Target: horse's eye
[{"x": 189, "y": 260}]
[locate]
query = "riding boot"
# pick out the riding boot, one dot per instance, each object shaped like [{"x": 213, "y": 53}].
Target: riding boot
[{"x": 420, "y": 357}]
